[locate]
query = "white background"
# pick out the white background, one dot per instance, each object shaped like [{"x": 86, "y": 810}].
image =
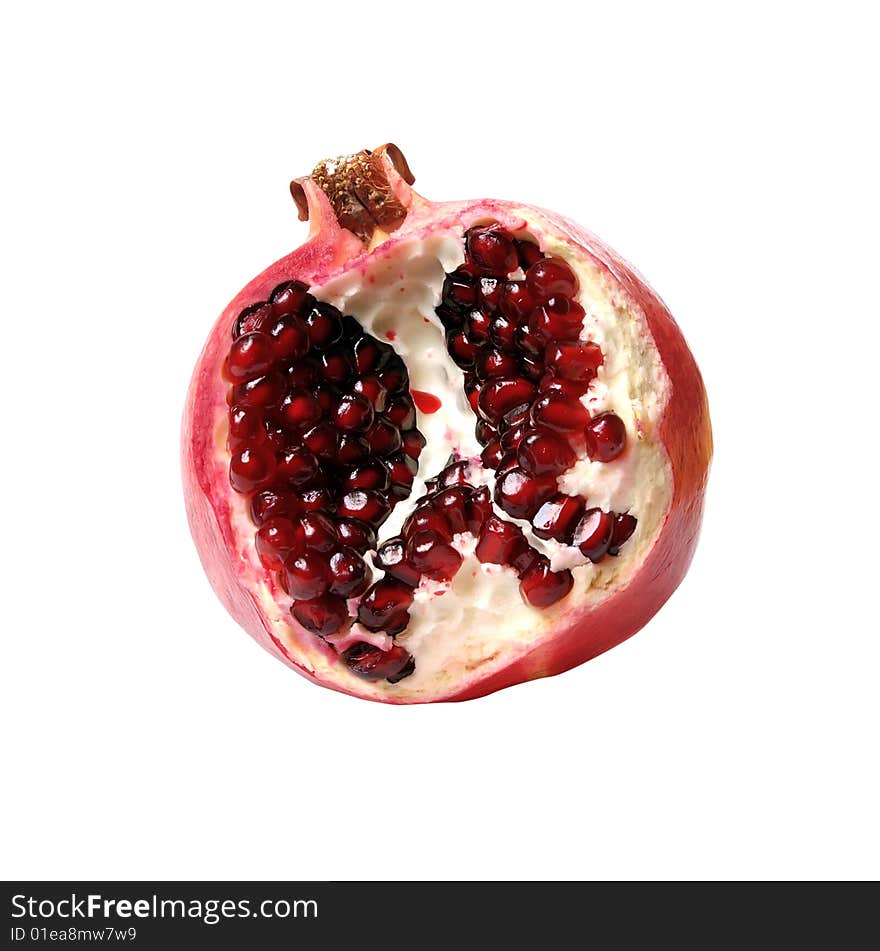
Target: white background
[{"x": 729, "y": 153}]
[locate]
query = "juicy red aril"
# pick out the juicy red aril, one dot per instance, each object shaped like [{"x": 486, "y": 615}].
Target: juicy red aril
[
  {"x": 253, "y": 318},
  {"x": 391, "y": 558},
  {"x": 385, "y": 606},
  {"x": 354, "y": 412},
  {"x": 528, "y": 253},
  {"x": 593, "y": 534},
  {"x": 335, "y": 365},
  {"x": 624, "y": 526},
  {"x": 532, "y": 367},
  {"x": 513, "y": 436},
  {"x": 401, "y": 469},
  {"x": 370, "y": 663},
  {"x": 489, "y": 293},
  {"x": 302, "y": 375},
  {"x": 551, "y": 277},
  {"x": 356, "y": 534},
  {"x": 272, "y": 502},
  {"x": 521, "y": 494},
  {"x": 543, "y": 454},
  {"x": 306, "y": 576},
  {"x": 292, "y": 297},
  {"x": 491, "y": 250},
  {"x": 299, "y": 409},
  {"x": 251, "y": 468},
  {"x": 352, "y": 450},
  {"x": 316, "y": 532},
  {"x": 462, "y": 348},
  {"x": 478, "y": 509},
  {"x": 542, "y": 587},
  {"x": 394, "y": 376},
  {"x": 502, "y": 332},
  {"x": 412, "y": 443},
  {"x": 472, "y": 389},
  {"x": 249, "y": 356},
  {"x": 451, "y": 503},
  {"x": 558, "y": 319},
  {"x": 325, "y": 325},
  {"x": 323, "y": 616},
  {"x": 478, "y": 325},
  {"x": 322, "y": 440},
  {"x": 455, "y": 474},
  {"x": 505, "y": 464},
  {"x": 362, "y": 504},
  {"x": 262, "y": 391},
  {"x": 402, "y": 411},
  {"x": 491, "y": 456},
  {"x": 552, "y": 385},
  {"x": 371, "y": 387},
  {"x": 430, "y": 555},
  {"x": 559, "y": 413},
  {"x": 369, "y": 475},
  {"x": 315, "y": 500},
  {"x": 485, "y": 431},
  {"x": 383, "y": 438},
  {"x": 516, "y": 301},
  {"x": 290, "y": 338},
  {"x": 297, "y": 466},
  {"x": 529, "y": 341},
  {"x": 370, "y": 354},
  {"x": 527, "y": 560},
  {"x": 349, "y": 574},
  {"x": 558, "y": 517},
  {"x": 574, "y": 361},
  {"x": 245, "y": 427},
  {"x": 274, "y": 541},
  {"x": 500, "y": 542},
  {"x": 605, "y": 437},
  {"x": 426, "y": 517},
  {"x": 496, "y": 363},
  {"x": 501, "y": 395},
  {"x": 459, "y": 293}
]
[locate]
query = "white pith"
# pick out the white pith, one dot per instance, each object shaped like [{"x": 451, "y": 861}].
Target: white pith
[{"x": 472, "y": 622}]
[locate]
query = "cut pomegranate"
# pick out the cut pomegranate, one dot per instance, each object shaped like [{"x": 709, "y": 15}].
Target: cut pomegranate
[{"x": 303, "y": 438}]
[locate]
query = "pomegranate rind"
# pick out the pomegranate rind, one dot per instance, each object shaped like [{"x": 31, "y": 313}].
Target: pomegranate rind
[{"x": 579, "y": 631}]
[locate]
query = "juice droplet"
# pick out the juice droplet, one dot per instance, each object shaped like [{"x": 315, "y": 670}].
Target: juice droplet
[
  {"x": 391, "y": 335},
  {"x": 426, "y": 402}
]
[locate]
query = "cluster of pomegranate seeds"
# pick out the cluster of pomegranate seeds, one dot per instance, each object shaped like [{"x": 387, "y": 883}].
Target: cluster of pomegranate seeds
[
  {"x": 322, "y": 441},
  {"x": 518, "y": 342}
]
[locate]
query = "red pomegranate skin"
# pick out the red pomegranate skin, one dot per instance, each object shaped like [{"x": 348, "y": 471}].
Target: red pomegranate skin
[{"x": 583, "y": 632}]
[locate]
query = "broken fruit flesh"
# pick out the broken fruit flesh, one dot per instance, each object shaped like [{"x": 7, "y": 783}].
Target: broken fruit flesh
[{"x": 442, "y": 448}]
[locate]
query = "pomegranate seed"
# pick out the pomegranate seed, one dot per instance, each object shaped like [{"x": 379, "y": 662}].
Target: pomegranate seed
[
  {"x": 624, "y": 526},
  {"x": 496, "y": 363},
  {"x": 391, "y": 558},
  {"x": 402, "y": 411},
  {"x": 401, "y": 469},
  {"x": 322, "y": 440},
  {"x": 425, "y": 517},
  {"x": 412, "y": 443},
  {"x": 541, "y": 453},
  {"x": 370, "y": 354},
  {"x": 551, "y": 385},
  {"x": 350, "y": 576},
  {"x": 478, "y": 325},
  {"x": 452, "y": 504},
  {"x": 251, "y": 468},
  {"x": 505, "y": 464},
  {"x": 315, "y": 500},
  {"x": 275, "y": 540},
  {"x": 290, "y": 338},
  {"x": 513, "y": 436},
  {"x": 245, "y": 427},
  {"x": 593, "y": 534},
  {"x": 559, "y": 414},
  {"x": 455, "y": 474},
  {"x": 306, "y": 576},
  {"x": 528, "y": 253},
  {"x": 292, "y": 297},
  {"x": 365, "y": 505},
  {"x": 542, "y": 587},
  {"x": 605, "y": 437},
  {"x": 256, "y": 317},
  {"x": 323, "y": 616},
  {"x": 552, "y": 277},
  {"x": 557, "y": 319},
  {"x": 430, "y": 555},
  {"x": 489, "y": 293},
  {"x": 472, "y": 387},
  {"x": 370, "y": 663},
  {"x": 491, "y": 250},
  {"x": 491, "y": 455},
  {"x": 250, "y": 355},
  {"x": 478, "y": 509},
  {"x": 302, "y": 375},
  {"x": 335, "y": 365},
  {"x": 384, "y": 606},
  {"x": 574, "y": 361},
  {"x": 383, "y": 438},
  {"x": 299, "y": 409},
  {"x": 272, "y": 502},
  {"x": 316, "y": 532},
  {"x": 297, "y": 466},
  {"x": 352, "y": 450},
  {"x": 357, "y": 535},
  {"x": 502, "y": 332},
  {"x": 558, "y": 517},
  {"x": 517, "y": 301},
  {"x": 462, "y": 348},
  {"x": 500, "y": 542},
  {"x": 532, "y": 367},
  {"x": 394, "y": 376},
  {"x": 527, "y": 560},
  {"x": 501, "y": 395},
  {"x": 375, "y": 392},
  {"x": 263, "y": 391},
  {"x": 485, "y": 431},
  {"x": 354, "y": 412},
  {"x": 459, "y": 292},
  {"x": 325, "y": 325},
  {"x": 369, "y": 475},
  {"x": 521, "y": 494}
]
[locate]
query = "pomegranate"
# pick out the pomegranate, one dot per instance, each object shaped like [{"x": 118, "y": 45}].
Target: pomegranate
[{"x": 442, "y": 448}]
